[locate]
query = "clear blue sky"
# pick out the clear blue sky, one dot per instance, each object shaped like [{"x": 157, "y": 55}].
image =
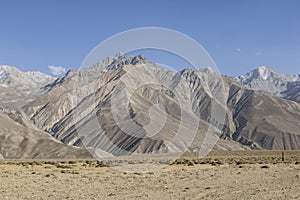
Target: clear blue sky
[{"x": 239, "y": 35}]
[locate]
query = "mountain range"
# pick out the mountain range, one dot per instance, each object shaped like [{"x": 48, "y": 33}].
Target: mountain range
[
  {"x": 46, "y": 117},
  {"x": 16, "y": 85}
]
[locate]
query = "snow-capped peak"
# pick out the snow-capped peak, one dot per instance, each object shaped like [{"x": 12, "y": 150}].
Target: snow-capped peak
[
  {"x": 10, "y": 75},
  {"x": 17, "y": 86},
  {"x": 264, "y": 72},
  {"x": 265, "y": 79}
]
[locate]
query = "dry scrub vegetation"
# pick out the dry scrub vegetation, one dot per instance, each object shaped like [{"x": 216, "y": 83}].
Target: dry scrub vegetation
[{"x": 220, "y": 175}]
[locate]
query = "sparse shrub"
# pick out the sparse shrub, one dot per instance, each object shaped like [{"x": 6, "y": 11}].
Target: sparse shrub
[
  {"x": 238, "y": 162},
  {"x": 25, "y": 164},
  {"x": 89, "y": 162},
  {"x": 100, "y": 164},
  {"x": 51, "y": 163},
  {"x": 64, "y": 166},
  {"x": 190, "y": 163},
  {"x": 69, "y": 172},
  {"x": 265, "y": 167}
]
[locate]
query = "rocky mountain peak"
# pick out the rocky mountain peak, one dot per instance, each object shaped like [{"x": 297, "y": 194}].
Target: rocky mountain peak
[
  {"x": 264, "y": 72},
  {"x": 17, "y": 87},
  {"x": 10, "y": 75},
  {"x": 122, "y": 60},
  {"x": 208, "y": 70},
  {"x": 269, "y": 81}
]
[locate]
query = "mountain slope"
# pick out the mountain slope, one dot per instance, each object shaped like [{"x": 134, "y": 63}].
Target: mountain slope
[
  {"x": 67, "y": 91},
  {"x": 20, "y": 140},
  {"x": 263, "y": 121}
]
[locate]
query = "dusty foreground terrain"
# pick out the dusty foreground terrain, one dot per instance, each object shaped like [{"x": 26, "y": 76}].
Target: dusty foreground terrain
[{"x": 221, "y": 175}]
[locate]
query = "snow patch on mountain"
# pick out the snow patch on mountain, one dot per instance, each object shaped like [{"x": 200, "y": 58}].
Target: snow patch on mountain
[
  {"x": 10, "y": 75},
  {"x": 264, "y": 72},
  {"x": 16, "y": 85}
]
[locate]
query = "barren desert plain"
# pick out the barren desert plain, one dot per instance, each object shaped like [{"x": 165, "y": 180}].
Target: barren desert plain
[{"x": 220, "y": 175}]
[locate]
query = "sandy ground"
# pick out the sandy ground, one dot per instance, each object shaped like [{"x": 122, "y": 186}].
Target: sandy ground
[{"x": 231, "y": 175}]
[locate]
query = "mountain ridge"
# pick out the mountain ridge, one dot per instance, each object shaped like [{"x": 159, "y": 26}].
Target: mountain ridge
[
  {"x": 271, "y": 82},
  {"x": 254, "y": 118},
  {"x": 17, "y": 87}
]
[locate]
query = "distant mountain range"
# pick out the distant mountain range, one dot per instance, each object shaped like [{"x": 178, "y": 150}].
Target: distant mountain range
[
  {"x": 16, "y": 86},
  {"x": 261, "y": 110}
]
